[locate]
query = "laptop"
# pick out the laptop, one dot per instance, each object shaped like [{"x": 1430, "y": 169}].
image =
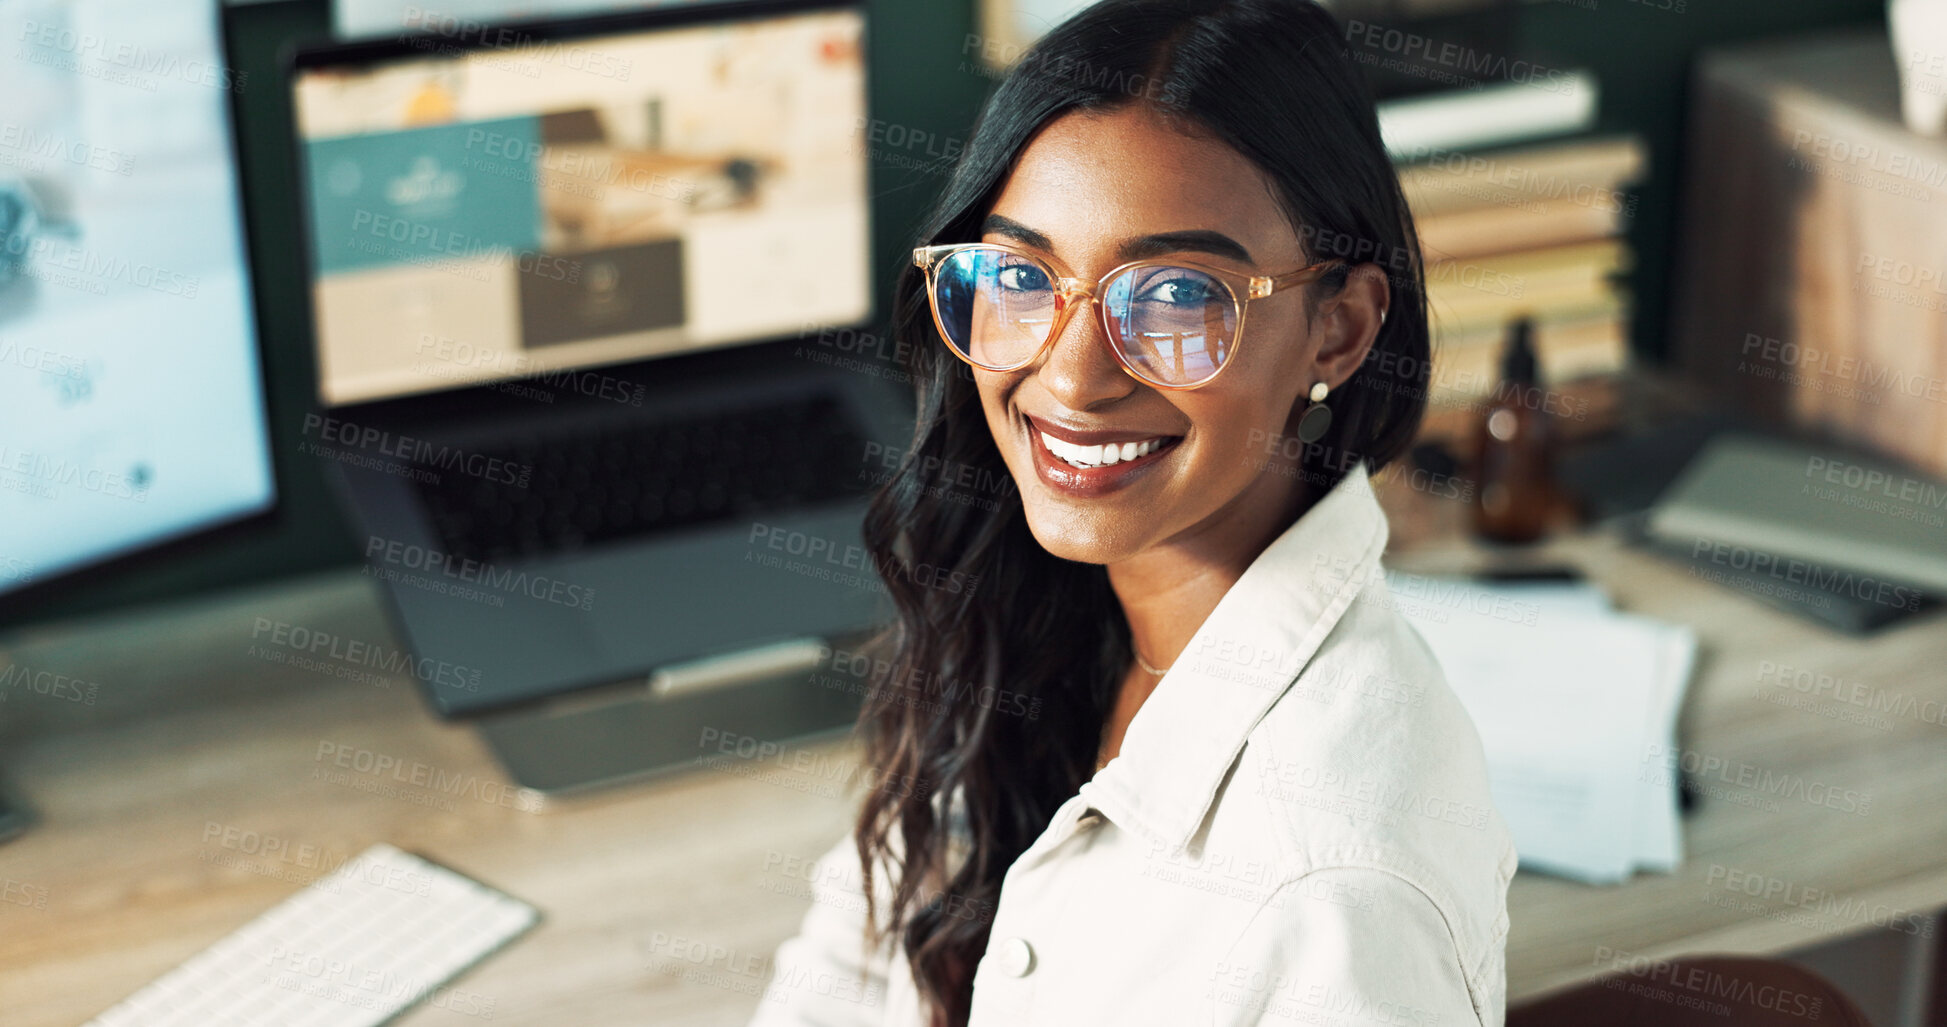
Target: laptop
[{"x": 579, "y": 292}]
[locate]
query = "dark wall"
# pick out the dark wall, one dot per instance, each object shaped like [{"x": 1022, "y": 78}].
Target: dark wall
[
  {"x": 927, "y": 84},
  {"x": 1641, "y": 51}
]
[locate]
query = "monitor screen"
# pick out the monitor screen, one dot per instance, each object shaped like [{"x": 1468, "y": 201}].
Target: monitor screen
[
  {"x": 534, "y": 205},
  {"x": 131, "y": 399}
]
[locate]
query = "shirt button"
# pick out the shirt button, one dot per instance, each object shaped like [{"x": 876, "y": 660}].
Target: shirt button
[{"x": 1015, "y": 957}]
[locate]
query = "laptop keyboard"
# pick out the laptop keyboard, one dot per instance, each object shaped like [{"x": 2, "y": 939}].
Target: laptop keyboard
[{"x": 628, "y": 478}]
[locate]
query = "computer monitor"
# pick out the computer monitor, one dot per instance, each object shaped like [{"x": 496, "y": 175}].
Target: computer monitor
[
  {"x": 131, "y": 396},
  {"x": 495, "y": 203}
]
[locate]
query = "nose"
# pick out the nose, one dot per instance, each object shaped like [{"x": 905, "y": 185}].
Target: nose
[{"x": 1078, "y": 369}]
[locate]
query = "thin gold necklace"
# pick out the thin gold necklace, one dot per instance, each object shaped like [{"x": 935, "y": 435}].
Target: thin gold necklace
[{"x": 1156, "y": 671}]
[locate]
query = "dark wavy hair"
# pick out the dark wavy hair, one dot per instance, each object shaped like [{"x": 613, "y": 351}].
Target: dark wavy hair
[{"x": 1271, "y": 79}]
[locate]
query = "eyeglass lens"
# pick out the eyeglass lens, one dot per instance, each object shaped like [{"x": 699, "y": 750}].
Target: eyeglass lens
[{"x": 1175, "y": 325}]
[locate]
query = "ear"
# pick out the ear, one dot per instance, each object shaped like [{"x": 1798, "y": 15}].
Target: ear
[{"x": 1348, "y": 323}]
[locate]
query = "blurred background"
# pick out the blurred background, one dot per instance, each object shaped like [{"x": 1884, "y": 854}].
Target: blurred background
[{"x": 449, "y": 427}]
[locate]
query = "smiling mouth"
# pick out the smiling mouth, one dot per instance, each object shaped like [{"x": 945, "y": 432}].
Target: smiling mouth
[
  {"x": 1103, "y": 455},
  {"x": 1093, "y": 462}
]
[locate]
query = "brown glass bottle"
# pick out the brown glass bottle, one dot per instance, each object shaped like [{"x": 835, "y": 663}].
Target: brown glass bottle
[{"x": 1516, "y": 486}]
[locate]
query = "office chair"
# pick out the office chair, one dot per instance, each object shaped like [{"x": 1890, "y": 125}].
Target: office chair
[{"x": 1698, "y": 991}]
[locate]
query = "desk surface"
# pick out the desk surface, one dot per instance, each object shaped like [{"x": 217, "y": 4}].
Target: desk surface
[{"x": 143, "y": 856}]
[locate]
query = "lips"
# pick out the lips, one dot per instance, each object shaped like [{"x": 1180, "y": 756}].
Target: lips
[
  {"x": 1103, "y": 455},
  {"x": 1093, "y": 462}
]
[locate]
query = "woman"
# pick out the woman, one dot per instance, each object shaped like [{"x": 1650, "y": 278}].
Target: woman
[{"x": 1229, "y": 784}]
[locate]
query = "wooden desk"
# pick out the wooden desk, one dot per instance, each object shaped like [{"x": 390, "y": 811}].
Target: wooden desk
[
  {"x": 1892, "y": 852},
  {"x": 195, "y": 739}
]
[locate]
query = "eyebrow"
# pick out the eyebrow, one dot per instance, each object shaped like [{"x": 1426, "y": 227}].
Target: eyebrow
[{"x": 1198, "y": 240}]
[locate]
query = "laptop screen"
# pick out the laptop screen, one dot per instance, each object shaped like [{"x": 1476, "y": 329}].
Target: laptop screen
[{"x": 493, "y": 204}]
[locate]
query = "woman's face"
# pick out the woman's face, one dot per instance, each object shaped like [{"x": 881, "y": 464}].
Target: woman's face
[{"x": 1094, "y": 191}]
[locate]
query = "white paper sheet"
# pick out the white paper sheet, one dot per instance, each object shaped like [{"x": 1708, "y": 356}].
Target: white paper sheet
[{"x": 1569, "y": 697}]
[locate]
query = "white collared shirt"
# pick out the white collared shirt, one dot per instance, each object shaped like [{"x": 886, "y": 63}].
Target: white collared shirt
[{"x": 1297, "y": 830}]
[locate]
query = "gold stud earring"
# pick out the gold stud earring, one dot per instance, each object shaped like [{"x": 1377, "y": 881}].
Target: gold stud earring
[{"x": 1317, "y": 418}]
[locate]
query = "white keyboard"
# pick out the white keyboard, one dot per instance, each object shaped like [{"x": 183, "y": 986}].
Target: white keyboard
[{"x": 352, "y": 949}]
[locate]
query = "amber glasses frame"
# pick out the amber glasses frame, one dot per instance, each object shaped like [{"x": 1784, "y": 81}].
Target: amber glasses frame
[{"x": 1068, "y": 288}]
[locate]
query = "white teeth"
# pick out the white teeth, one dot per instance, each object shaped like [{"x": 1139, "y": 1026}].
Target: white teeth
[{"x": 1099, "y": 456}]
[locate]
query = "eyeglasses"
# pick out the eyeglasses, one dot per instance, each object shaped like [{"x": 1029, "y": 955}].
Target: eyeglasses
[{"x": 1170, "y": 324}]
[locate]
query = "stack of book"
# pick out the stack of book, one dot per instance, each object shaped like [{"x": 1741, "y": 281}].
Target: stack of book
[
  {"x": 1533, "y": 231},
  {"x": 1830, "y": 533}
]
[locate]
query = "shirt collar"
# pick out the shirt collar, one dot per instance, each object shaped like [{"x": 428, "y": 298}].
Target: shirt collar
[{"x": 1186, "y": 735}]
